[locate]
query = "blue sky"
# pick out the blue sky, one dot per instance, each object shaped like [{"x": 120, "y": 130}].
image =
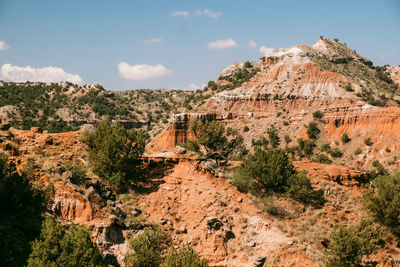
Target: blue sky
[{"x": 86, "y": 41}]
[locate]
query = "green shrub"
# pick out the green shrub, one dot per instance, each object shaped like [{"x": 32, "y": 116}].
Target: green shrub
[
  {"x": 308, "y": 147},
  {"x": 273, "y": 137},
  {"x": 380, "y": 170},
  {"x": 271, "y": 170},
  {"x": 149, "y": 247},
  {"x": 265, "y": 170},
  {"x": 336, "y": 152},
  {"x": 78, "y": 172},
  {"x": 184, "y": 257},
  {"x": 325, "y": 147},
  {"x": 301, "y": 143},
  {"x": 300, "y": 187},
  {"x": 317, "y": 114},
  {"x": 321, "y": 158},
  {"x": 287, "y": 139},
  {"x": 345, "y": 138},
  {"x": 383, "y": 199},
  {"x": 285, "y": 123},
  {"x": 246, "y": 129},
  {"x": 349, "y": 245},
  {"x": 368, "y": 141},
  {"x": 357, "y": 151},
  {"x": 348, "y": 88},
  {"x": 261, "y": 142},
  {"x": 114, "y": 153},
  {"x": 312, "y": 130},
  {"x": 58, "y": 246},
  {"x": 191, "y": 146},
  {"x": 247, "y": 65}
]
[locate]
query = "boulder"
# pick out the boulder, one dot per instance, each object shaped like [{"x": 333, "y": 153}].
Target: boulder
[
  {"x": 47, "y": 140},
  {"x": 210, "y": 165},
  {"x": 86, "y": 128},
  {"x": 94, "y": 197},
  {"x": 181, "y": 150},
  {"x": 259, "y": 261},
  {"x": 213, "y": 223},
  {"x": 36, "y": 130}
]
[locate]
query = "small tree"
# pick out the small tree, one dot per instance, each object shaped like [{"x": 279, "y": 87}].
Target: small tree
[
  {"x": 114, "y": 153},
  {"x": 368, "y": 141},
  {"x": 148, "y": 247},
  {"x": 345, "y": 138},
  {"x": 348, "y": 88},
  {"x": 357, "y": 151},
  {"x": 312, "y": 130},
  {"x": 287, "y": 139},
  {"x": 300, "y": 187},
  {"x": 273, "y": 137},
  {"x": 271, "y": 170},
  {"x": 58, "y": 246},
  {"x": 317, "y": 114},
  {"x": 383, "y": 199},
  {"x": 349, "y": 245},
  {"x": 264, "y": 170},
  {"x": 336, "y": 152},
  {"x": 184, "y": 257}
]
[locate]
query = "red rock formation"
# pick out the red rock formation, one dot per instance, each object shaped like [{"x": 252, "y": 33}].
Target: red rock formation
[
  {"x": 72, "y": 206},
  {"x": 341, "y": 174}
]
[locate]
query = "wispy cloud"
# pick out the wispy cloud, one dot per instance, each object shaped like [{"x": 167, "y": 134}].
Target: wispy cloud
[
  {"x": 142, "y": 71},
  {"x": 387, "y": 55},
  {"x": 182, "y": 13},
  {"x": 3, "y": 45},
  {"x": 153, "y": 41},
  {"x": 223, "y": 44},
  {"x": 189, "y": 87},
  {"x": 266, "y": 50},
  {"x": 208, "y": 12},
  {"x": 252, "y": 44},
  {"x": 46, "y": 74}
]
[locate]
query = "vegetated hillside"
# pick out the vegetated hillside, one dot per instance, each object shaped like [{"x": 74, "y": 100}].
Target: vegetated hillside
[{"x": 59, "y": 107}]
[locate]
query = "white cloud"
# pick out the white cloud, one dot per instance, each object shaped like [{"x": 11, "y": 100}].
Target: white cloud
[
  {"x": 3, "y": 45},
  {"x": 265, "y": 50},
  {"x": 209, "y": 13},
  {"x": 153, "y": 41},
  {"x": 46, "y": 74},
  {"x": 190, "y": 87},
  {"x": 194, "y": 86},
  {"x": 223, "y": 44},
  {"x": 142, "y": 71},
  {"x": 180, "y": 14},
  {"x": 252, "y": 44}
]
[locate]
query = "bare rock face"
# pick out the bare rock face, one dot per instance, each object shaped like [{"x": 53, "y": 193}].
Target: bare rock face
[
  {"x": 87, "y": 128},
  {"x": 74, "y": 207},
  {"x": 36, "y": 130},
  {"x": 341, "y": 174}
]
